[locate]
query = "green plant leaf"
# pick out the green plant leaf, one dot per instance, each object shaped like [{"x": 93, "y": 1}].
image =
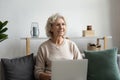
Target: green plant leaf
[
  {"x": 3, "y": 24},
  {"x": 3, "y": 30},
  {"x": 2, "y": 39},
  {"x": 0, "y": 23},
  {"x": 3, "y": 36}
]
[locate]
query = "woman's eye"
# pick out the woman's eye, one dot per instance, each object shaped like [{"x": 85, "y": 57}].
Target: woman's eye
[
  {"x": 58, "y": 25},
  {"x": 61, "y": 24}
]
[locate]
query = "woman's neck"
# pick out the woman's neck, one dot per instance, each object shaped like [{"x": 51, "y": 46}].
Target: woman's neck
[{"x": 57, "y": 40}]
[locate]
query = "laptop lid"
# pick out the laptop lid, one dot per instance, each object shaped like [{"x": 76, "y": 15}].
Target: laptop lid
[{"x": 69, "y": 69}]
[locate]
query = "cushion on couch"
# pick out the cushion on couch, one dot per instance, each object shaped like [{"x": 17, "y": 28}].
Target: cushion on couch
[
  {"x": 102, "y": 65},
  {"x": 21, "y": 68}
]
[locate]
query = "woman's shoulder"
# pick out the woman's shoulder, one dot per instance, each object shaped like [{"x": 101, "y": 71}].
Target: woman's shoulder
[
  {"x": 45, "y": 43},
  {"x": 69, "y": 41}
]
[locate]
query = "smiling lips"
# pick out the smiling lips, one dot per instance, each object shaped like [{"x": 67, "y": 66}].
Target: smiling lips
[{"x": 61, "y": 31}]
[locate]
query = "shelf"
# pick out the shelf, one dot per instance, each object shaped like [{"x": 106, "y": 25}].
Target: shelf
[
  {"x": 68, "y": 37},
  {"x": 35, "y": 38},
  {"x": 38, "y": 38},
  {"x": 105, "y": 38}
]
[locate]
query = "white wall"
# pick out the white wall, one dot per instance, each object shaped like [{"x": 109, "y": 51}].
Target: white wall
[{"x": 103, "y": 15}]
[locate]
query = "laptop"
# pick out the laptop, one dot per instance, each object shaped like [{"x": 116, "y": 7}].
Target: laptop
[{"x": 69, "y": 70}]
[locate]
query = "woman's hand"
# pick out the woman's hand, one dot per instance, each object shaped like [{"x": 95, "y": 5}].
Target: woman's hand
[{"x": 45, "y": 76}]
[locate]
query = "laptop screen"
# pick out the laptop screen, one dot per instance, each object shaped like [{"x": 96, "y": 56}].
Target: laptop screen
[{"x": 69, "y": 69}]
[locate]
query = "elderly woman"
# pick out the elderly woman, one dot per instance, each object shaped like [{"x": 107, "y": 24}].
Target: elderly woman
[{"x": 57, "y": 47}]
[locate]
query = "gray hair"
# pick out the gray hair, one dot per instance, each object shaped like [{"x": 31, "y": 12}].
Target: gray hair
[{"x": 51, "y": 20}]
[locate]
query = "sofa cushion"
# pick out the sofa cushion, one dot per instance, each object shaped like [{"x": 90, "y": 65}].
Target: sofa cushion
[
  {"x": 102, "y": 65},
  {"x": 21, "y": 68}
]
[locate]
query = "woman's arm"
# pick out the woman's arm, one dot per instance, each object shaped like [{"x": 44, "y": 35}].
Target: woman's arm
[
  {"x": 40, "y": 63},
  {"x": 77, "y": 53}
]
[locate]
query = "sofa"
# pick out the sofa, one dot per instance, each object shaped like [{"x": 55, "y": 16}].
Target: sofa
[{"x": 22, "y": 68}]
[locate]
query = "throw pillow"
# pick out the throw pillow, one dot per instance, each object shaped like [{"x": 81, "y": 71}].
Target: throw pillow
[
  {"x": 102, "y": 65},
  {"x": 21, "y": 68}
]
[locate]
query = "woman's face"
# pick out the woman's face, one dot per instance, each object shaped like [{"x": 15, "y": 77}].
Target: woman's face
[{"x": 58, "y": 28}]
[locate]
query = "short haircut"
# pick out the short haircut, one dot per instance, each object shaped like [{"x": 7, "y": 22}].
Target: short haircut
[{"x": 51, "y": 20}]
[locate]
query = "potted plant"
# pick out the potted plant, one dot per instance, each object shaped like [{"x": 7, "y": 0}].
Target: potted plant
[{"x": 3, "y": 29}]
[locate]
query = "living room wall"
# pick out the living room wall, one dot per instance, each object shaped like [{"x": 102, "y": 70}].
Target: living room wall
[
  {"x": 103, "y": 15},
  {"x": 115, "y": 22}
]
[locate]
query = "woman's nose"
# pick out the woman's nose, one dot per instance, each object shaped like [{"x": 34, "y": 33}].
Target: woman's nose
[{"x": 61, "y": 26}]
